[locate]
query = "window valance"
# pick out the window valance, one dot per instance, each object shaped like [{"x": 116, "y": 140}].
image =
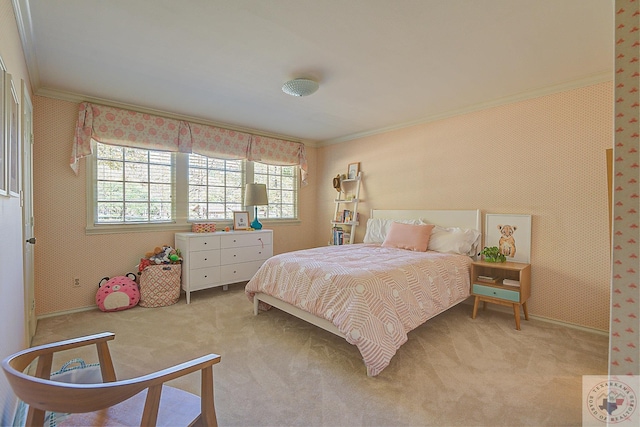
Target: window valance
[{"x": 118, "y": 126}]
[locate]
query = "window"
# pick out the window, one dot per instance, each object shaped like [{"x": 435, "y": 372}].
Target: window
[
  {"x": 133, "y": 185},
  {"x": 281, "y": 190},
  {"x": 215, "y": 187},
  {"x": 137, "y": 186}
]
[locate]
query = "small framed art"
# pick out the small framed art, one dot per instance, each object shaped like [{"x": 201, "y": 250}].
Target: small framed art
[
  {"x": 511, "y": 234},
  {"x": 240, "y": 220},
  {"x": 353, "y": 170}
]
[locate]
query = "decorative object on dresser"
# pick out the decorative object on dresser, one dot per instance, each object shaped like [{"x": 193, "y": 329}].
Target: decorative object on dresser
[
  {"x": 506, "y": 283},
  {"x": 256, "y": 195},
  {"x": 345, "y": 219},
  {"x": 221, "y": 258},
  {"x": 240, "y": 220}
]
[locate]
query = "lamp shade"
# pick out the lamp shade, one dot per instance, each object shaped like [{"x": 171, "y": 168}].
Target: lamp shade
[{"x": 255, "y": 195}]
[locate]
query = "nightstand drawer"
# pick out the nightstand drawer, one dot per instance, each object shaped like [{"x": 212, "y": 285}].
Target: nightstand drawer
[{"x": 490, "y": 291}]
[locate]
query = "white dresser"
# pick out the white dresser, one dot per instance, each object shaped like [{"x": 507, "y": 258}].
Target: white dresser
[{"x": 221, "y": 258}]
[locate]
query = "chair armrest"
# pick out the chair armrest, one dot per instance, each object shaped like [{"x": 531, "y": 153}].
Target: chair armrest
[
  {"x": 176, "y": 371},
  {"x": 21, "y": 363}
]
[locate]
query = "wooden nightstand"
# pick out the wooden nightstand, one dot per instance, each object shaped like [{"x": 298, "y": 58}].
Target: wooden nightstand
[{"x": 492, "y": 289}]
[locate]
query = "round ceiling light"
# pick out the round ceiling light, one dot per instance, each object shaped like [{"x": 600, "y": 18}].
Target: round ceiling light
[{"x": 300, "y": 87}]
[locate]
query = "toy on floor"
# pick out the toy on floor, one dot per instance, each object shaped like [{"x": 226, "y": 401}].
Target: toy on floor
[{"x": 118, "y": 293}]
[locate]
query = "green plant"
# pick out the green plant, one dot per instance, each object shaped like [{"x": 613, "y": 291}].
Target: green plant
[{"x": 492, "y": 254}]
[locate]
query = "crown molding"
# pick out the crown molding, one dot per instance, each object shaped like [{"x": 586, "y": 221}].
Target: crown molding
[
  {"x": 25, "y": 30},
  {"x": 535, "y": 93}
]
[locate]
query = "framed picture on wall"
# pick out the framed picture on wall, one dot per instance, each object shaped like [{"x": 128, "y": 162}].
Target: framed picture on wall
[
  {"x": 511, "y": 234},
  {"x": 240, "y": 220},
  {"x": 3, "y": 140},
  {"x": 353, "y": 170},
  {"x": 13, "y": 168}
]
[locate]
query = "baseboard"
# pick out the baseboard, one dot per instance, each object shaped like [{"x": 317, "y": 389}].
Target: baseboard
[
  {"x": 62, "y": 313},
  {"x": 505, "y": 309}
]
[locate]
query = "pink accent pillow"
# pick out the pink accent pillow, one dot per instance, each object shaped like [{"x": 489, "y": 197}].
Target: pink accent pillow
[{"x": 408, "y": 236}]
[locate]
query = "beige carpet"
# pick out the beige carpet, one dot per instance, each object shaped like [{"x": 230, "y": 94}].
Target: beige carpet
[{"x": 277, "y": 370}]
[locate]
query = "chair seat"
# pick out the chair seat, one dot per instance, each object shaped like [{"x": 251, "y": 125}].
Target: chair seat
[{"x": 177, "y": 408}]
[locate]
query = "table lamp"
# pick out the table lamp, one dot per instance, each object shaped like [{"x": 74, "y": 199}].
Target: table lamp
[{"x": 256, "y": 195}]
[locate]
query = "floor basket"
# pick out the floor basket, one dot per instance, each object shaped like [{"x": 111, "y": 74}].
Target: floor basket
[{"x": 160, "y": 285}]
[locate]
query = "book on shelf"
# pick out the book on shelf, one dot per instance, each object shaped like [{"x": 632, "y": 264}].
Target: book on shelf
[
  {"x": 510, "y": 282},
  {"x": 337, "y": 236},
  {"x": 487, "y": 279}
]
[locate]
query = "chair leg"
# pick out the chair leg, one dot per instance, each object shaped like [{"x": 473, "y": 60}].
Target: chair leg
[
  {"x": 35, "y": 417},
  {"x": 150, "y": 413},
  {"x": 207, "y": 405}
]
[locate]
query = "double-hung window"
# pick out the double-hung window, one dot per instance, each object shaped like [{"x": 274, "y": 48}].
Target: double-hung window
[{"x": 150, "y": 187}]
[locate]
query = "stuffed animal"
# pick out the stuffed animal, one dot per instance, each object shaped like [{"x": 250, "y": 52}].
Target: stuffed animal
[
  {"x": 507, "y": 243},
  {"x": 118, "y": 293}
]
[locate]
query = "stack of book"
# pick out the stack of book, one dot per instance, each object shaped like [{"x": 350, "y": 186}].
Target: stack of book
[
  {"x": 487, "y": 279},
  {"x": 338, "y": 236},
  {"x": 510, "y": 282}
]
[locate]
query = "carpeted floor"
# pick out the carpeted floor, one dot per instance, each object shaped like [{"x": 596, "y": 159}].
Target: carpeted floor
[{"x": 277, "y": 370}]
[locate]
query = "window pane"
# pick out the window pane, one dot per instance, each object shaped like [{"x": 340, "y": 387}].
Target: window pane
[
  {"x": 133, "y": 185},
  {"x": 281, "y": 190},
  {"x": 215, "y": 187}
]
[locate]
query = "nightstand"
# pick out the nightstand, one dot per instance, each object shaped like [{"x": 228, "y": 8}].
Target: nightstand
[{"x": 489, "y": 283}]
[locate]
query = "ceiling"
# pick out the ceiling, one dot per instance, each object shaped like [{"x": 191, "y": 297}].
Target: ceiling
[{"x": 381, "y": 64}]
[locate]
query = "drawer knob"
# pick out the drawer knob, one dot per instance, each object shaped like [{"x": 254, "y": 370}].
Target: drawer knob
[{"x": 206, "y": 259}]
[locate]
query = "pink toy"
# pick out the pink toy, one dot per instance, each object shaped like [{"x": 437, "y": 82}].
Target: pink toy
[{"x": 118, "y": 293}]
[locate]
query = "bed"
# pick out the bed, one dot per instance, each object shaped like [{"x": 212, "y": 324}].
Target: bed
[{"x": 373, "y": 293}]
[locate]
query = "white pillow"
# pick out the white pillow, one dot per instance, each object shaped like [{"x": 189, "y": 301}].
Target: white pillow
[
  {"x": 453, "y": 240},
  {"x": 377, "y": 228}
]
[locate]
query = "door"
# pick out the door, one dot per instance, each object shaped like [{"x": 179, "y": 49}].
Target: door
[{"x": 27, "y": 214}]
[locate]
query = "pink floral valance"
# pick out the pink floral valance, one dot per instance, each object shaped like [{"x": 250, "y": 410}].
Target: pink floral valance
[
  {"x": 278, "y": 152},
  {"x": 117, "y": 126},
  {"x": 221, "y": 143}
]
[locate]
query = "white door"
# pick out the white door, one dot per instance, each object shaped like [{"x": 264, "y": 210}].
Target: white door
[{"x": 27, "y": 214}]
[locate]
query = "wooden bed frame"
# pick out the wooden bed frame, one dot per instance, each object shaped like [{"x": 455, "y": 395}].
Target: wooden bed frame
[{"x": 444, "y": 218}]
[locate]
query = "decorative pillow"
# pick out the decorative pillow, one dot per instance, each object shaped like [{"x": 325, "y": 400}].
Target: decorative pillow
[
  {"x": 453, "y": 240},
  {"x": 414, "y": 237},
  {"x": 377, "y": 229}
]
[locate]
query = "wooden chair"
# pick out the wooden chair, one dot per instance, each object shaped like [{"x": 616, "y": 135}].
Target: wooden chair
[{"x": 144, "y": 400}]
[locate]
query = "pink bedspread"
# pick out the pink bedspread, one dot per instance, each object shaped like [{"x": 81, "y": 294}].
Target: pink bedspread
[{"x": 373, "y": 295}]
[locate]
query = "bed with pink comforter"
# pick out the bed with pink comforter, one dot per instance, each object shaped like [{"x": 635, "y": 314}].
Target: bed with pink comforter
[{"x": 374, "y": 295}]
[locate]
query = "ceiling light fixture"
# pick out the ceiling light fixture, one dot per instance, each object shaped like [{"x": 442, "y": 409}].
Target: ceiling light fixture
[{"x": 300, "y": 87}]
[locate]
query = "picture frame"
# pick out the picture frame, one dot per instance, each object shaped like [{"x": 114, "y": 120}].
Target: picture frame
[
  {"x": 240, "y": 220},
  {"x": 13, "y": 136},
  {"x": 352, "y": 170},
  {"x": 511, "y": 233},
  {"x": 4, "y": 162}
]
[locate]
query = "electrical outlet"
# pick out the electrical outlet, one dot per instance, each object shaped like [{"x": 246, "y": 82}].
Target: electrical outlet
[{"x": 76, "y": 282}]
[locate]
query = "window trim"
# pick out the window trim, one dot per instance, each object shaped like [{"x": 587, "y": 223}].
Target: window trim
[{"x": 181, "y": 223}]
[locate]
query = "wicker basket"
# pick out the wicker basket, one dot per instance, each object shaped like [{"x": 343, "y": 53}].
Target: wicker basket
[{"x": 160, "y": 285}]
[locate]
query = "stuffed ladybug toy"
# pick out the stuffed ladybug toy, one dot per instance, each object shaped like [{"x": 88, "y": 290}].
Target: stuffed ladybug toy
[{"x": 118, "y": 293}]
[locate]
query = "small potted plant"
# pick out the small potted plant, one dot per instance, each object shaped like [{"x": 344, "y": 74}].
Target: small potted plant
[{"x": 492, "y": 254}]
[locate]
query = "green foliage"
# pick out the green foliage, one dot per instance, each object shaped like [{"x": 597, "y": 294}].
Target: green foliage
[{"x": 492, "y": 254}]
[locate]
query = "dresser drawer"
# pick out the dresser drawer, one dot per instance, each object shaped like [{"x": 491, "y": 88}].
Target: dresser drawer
[
  {"x": 246, "y": 254},
  {"x": 499, "y": 293},
  {"x": 246, "y": 239},
  {"x": 204, "y": 243},
  {"x": 233, "y": 273},
  {"x": 204, "y": 259},
  {"x": 204, "y": 278}
]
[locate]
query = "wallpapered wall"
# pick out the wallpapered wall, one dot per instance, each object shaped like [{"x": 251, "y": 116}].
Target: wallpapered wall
[
  {"x": 65, "y": 252},
  {"x": 543, "y": 156}
]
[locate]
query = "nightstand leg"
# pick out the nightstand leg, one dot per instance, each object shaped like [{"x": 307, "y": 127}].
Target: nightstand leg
[
  {"x": 526, "y": 312},
  {"x": 516, "y": 313},
  {"x": 475, "y": 307},
  {"x": 484, "y": 305}
]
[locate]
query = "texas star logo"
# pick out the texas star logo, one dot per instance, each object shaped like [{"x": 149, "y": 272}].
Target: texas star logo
[{"x": 611, "y": 401}]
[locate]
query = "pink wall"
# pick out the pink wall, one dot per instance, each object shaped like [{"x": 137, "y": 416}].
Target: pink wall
[
  {"x": 543, "y": 156},
  {"x": 64, "y": 251}
]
